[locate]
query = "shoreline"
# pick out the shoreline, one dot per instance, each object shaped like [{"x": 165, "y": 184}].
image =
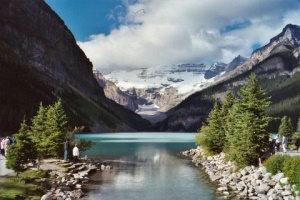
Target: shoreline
[
  {"x": 71, "y": 182},
  {"x": 249, "y": 183}
]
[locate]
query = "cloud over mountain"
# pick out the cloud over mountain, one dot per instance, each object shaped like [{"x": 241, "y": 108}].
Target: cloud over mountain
[{"x": 176, "y": 31}]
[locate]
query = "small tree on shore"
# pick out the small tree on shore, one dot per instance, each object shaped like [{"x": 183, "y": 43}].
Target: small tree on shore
[
  {"x": 213, "y": 136},
  {"x": 23, "y": 151}
]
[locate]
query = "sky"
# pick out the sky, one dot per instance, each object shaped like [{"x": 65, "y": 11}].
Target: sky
[{"x": 131, "y": 34}]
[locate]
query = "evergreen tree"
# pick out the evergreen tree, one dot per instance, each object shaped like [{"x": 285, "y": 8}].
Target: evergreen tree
[
  {"x": 285, "y": 127},
  {"x": 214, "y": 135},
  {"x": 23, "y": 151},
  {"x": 39, "y": 133},
  {"x": 297, "y": 133},
  {"x": 55, "y": 129},
  {"x": 226, "y": 106},
  {"x": 247, "y": 136}
]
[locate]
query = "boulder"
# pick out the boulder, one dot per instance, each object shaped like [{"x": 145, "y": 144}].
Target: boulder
[{"x": 47, "y": 196}]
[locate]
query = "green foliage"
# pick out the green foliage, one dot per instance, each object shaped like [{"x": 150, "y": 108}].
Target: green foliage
[
  {"x": 291, "y": 169},
  {"x": 275, "y": 163},
  {"x": 49, "y": 128},
  {"x": 297, "y": 133},
  {"x": 247, "y": 124},
  {"x": 23, "y": 151},
  {"x": 18, "y": 188},
  {"x": 286, "y": 127},
  {"x": 201, "y": 139},
  {"x": 213, "y": 136}
]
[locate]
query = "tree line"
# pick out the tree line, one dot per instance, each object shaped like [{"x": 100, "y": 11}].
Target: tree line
[{"x": 238, "y": 126}]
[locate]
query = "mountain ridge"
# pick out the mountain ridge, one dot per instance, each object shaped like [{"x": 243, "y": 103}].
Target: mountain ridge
[
  {"x": 38, "y": 44},
  {"x": 277, "y": 70}
]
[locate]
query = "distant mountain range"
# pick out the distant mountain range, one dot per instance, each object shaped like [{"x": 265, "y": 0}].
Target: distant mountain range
[
  {"x": 277, "y": 65},
  {"x": 155, "y": 90}
]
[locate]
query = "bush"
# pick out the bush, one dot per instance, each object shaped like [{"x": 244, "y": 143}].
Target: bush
[
  {"x": 274, "y": 164},
  {"x": 291, "y": 169}
]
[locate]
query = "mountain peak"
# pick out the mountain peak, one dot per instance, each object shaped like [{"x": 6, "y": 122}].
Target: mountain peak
[{"x": 290, "y": 33}]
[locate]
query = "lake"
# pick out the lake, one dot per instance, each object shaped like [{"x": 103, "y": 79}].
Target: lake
[{"x": 147, "y": 166}]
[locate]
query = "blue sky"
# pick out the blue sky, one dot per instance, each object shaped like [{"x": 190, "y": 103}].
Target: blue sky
[
  {"x": 86, "y": 17},
  {"x": 115, "y": 37}
]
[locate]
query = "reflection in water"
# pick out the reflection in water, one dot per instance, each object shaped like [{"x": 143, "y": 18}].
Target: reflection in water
[{"x": 149, "y": 170}]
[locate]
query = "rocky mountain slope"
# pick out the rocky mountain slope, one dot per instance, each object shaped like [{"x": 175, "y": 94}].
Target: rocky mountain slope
[
  {"x": 40, "y": 62},
  {"x": 277, "y": 66},
  {"x": 160, "y": 88}
]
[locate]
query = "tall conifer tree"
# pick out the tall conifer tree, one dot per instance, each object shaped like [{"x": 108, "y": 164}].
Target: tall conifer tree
[
  {"x": 247, "y": 134},
  {"x": 286, "y": 127}
]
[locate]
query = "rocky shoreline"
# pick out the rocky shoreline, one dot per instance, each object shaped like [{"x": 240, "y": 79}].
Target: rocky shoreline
[
  {"x": 69, "y": 178},
  {"x": 248, "y": 183}
]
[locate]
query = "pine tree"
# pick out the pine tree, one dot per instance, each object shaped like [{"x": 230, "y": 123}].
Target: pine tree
[
  {"x": 23, "y": 151},
  {"x": 297, "y": 133},
  {"x": 39, "y": 133},
  {"x": 226, "y": 106},
  {"x": 214, "y": 135},
  {"x": 55, "y": 129},
  {"x": 247, "y": 138},
  {"x": 285, "y": 127}
]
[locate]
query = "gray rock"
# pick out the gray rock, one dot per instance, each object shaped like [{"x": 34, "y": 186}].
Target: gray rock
[
  {"x": 240, "y": 186},
  {"x": 286, "y": 193},
  {"x": 216, "y": 177},
  {"x": 244, "y": 172},
  {"x": 278, "y": 176},
  {"x": 47, "y": 196},
  {"x": 262, "y": 189},
  {"x": 278, "y": 187},
  {"x": 284, "y": 181},
  {"x": 263, "y": 170},
  {"x": 224, "y": 188}
]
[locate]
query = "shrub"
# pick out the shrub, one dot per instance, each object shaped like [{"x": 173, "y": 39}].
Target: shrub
[
  {"x": 274, "y": 164},
  {"x": 291, "y": 169}
]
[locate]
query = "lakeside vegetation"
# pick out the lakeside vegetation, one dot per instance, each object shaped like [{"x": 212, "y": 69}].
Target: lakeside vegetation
[
  {"x": 44, "y": 138},
  {"x": 239, "y": 128}
]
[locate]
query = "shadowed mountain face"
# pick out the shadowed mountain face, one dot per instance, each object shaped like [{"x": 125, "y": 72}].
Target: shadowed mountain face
[
  {"x": 277, "y": 66},
  {"x": 40, "y": 62}
]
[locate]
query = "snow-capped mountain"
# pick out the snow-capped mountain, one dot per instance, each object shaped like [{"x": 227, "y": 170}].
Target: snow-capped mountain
[{"x": 160, "y": 88}]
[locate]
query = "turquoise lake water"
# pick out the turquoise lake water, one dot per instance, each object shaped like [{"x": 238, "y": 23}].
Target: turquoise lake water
[{"x": 147, "y": 166}]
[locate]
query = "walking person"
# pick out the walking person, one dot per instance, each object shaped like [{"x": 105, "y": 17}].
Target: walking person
[
  {"x": 2, "y": 147},
  {"x": 297, "y": 143},
  {"x": 75, "y": 153},
  {"x": 284, "y": 143},
  {"x": 6, "y": 144},
  {"x": 66, "y": 147}
]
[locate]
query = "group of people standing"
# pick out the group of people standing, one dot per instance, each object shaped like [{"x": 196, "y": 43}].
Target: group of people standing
[
  {"x": 283, "y": 141},
  {"x": 4, "y": 143},
  {"x": 75, "y": 152}
]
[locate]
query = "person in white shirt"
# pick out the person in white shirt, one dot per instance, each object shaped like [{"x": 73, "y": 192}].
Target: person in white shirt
[
  {"x": 75, "y": 153},
  {"x": 6, "y": 144},
  {"x": 284, "y": 143}
]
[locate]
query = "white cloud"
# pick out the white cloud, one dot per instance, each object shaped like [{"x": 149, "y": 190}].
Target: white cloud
[{"x": 177, "y": 31}]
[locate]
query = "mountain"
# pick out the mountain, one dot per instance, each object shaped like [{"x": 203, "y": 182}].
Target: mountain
[
  {"x": 159, "y": 88},
  {"x": 114, "y": 93},
  {"x": 277, "y": 66},
  {"x": 41, "y": 62}
]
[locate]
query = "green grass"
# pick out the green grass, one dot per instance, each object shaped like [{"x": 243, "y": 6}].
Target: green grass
[{"x": 24, "y": 186}]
